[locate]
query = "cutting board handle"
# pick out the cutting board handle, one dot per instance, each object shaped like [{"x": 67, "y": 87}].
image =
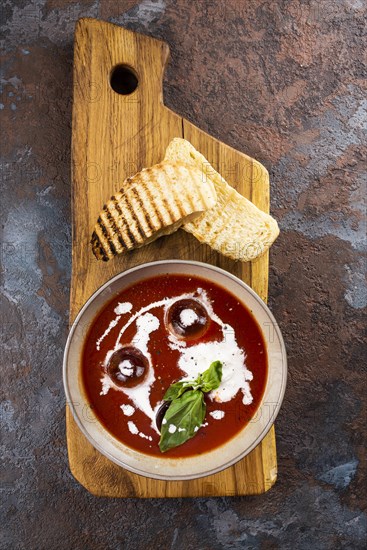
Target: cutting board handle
[{"x": 132, "y": 65}]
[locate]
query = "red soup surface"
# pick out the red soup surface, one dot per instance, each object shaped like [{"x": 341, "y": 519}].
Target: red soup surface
[{"x": 161, "y": 330}]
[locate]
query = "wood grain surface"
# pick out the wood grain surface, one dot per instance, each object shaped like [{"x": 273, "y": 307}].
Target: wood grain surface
[{"x": 113, "y": 137}]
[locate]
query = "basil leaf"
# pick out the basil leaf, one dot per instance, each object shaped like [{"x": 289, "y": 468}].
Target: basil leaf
[
  {"x": 177, "y": 389},
  {"x": 211, "y": 378},
  {"x": 186, "y": 413}
]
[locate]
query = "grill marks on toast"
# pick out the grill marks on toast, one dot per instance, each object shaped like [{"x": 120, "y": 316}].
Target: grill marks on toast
[
  {"x": 121, "y": 221},
  {"x": 145, "y": 189},
  {"x": 102, "y": 234},
  {"x": 150, "y": 178},
  {"x": 144, "y": 210},
  {"x": 98, "y": 249},
  {"x": 116, "y": 237},
  {"x": 117, "y": 219},
  {"x": 154, "y": 202}
]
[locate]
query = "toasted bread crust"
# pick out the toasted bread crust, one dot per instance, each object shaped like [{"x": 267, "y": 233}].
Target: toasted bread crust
[
  {"x": 152, "y": 203},
  {"x": 234, "y": 226}
]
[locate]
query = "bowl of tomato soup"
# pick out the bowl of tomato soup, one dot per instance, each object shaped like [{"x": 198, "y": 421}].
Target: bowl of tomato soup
[{"x": 175, "y": 370}]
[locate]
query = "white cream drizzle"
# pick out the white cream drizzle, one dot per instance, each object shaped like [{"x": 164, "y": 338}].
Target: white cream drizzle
[
  {"x": 120, "y": 309},
  {"x": 188, "y": 317},
  {"x": 112, "y": 324},
  {"x": 132, "y": 427},
  {"x": 128, "y": 410},
  {"x": 123, "y": 307},
  {"x": 167, "y": 302},
  {"x": 193, "y": 359},
  {"x": 196, "y": 359},
  {"x": 217, "y": 415},
  {"x": 139, "y": 395},
  {"x": 106, "y": 384},
  {"x": 135, "y": 431},
  {"x": 126, "y": 367}
]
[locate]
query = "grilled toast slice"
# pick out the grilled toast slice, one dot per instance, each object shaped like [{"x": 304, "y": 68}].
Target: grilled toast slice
[
  {"x": 154, "y": 202},
  {"x": 234, "y": 226}
]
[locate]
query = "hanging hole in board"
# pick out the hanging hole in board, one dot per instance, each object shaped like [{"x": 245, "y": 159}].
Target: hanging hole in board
[{"x": 123, "y": 80}]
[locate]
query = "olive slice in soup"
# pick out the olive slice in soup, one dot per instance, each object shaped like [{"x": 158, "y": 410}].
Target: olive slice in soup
[
  {"x": 187, "y": 318},
  {"x": 161, "y": 413},
  {"x": 127, "y": 367}
]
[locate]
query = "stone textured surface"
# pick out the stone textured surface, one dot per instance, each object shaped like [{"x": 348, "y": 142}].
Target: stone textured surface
[{"x": 282, "y": 81}]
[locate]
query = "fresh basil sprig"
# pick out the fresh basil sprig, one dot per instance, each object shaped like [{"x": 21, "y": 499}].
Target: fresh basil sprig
[{"x": 186, "y": 411}]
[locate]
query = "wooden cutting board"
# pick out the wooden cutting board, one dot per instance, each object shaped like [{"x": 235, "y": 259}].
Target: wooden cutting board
[{"x": 114, "y": 136}]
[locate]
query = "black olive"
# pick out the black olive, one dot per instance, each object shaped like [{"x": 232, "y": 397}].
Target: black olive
[
  {"x": 160, "y": 413},
  {"x": 188, "y": 318},
  {"x": 128, "y": 367}
]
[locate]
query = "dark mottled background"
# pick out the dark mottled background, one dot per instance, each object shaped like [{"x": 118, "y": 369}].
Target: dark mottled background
[{"x": 282, "y": 81}]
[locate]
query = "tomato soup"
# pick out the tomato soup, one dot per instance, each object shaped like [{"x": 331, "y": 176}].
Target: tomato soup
[{"x": 163, "y": 330}]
